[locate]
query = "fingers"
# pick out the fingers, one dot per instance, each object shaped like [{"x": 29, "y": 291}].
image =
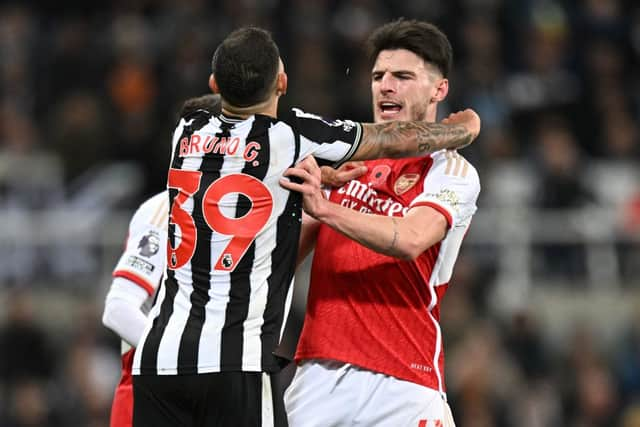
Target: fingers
[
  {"x": 456, "y": 117},
  {"x": 334, "y": 178},
  {"x": 305, "y": 179},
  {"x": 328, "y": 176},
  {"x": 472, "y": 121},
  {"x": 468, "y": 117},
  {"x": 308, "y": 171},
  {"x": 354, "y": 173},
  {"x": 450, "y": 119},
  {"x": 299, "y": 186},
  {"x": 307, "y": 174},
  {"x": 342, "y": 175},
  {"x": 351, "y": 165},
  {"x": 309, "y": 163},
  {"x": 303, "y": 174},
  {"x": 290, "y": 185}
]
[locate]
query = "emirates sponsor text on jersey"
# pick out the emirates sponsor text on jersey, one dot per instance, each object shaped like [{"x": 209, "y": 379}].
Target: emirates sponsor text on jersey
[{"x": 365, "y": 199}]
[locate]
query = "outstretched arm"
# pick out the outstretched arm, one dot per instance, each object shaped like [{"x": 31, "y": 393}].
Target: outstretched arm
[
  {"x": 401, "y": 237},
  {"x": 332, "y": 178},
  {"x": 406, "y": 139}
]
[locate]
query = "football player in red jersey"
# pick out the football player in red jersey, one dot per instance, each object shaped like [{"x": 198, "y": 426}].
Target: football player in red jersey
[{"x": 371, "y": 352}]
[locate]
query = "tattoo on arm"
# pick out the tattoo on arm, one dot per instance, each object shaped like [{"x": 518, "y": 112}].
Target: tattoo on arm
[
  {"x": 401, "y": 139},
  {"x": 394, "y": 239}
]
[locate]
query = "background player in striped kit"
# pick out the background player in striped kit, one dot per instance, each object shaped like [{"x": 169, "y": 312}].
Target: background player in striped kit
[
  {"x": 206, "y": 358},
  {"x": 137, "y": 276},
  {"x": 370, "y": 352}
]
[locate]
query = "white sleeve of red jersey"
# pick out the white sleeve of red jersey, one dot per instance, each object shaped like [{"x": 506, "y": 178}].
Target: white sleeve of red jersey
[
  {"x": 144, "y": 257},
  {"x": 452, "y": 187},
  {"x": 122, "y": 312},
  {"x": 139, "y": 269}
]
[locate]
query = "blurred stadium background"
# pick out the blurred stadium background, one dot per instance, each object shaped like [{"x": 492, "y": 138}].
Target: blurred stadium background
[{"x": 542, "y": 320}]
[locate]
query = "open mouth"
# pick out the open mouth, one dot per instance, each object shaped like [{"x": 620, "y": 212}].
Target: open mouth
[{"x": 388, "y": 108}]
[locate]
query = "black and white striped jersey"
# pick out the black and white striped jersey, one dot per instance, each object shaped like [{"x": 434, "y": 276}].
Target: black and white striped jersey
[{"x": 232, "y": 240}]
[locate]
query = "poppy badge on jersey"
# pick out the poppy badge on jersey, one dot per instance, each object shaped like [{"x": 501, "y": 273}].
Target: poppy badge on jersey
[{"x": 379, "y": 175}]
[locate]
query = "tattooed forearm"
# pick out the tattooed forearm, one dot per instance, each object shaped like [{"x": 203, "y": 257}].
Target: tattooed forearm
[
  {"x": 401, "y": 139},
  {"x": 436, "y": 136}
]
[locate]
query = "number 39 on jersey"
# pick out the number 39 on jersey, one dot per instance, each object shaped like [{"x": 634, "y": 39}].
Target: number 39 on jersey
[{"x": 242, "y": 231}]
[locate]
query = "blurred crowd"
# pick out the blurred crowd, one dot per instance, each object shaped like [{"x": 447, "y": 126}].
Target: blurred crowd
[{"x": 88, "y": 99}]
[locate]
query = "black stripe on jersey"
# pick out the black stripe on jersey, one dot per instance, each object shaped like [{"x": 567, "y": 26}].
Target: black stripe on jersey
[
  {"x": 240, "y": 291},
  {"x": 200, "y": 264},
  {"x": 149, "y": 359},
  {"x": 198, "y": 119},
  {"x": 283, "y": 261}
]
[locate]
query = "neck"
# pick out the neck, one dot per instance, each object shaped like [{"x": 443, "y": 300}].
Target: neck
[
  {"x": 431, "y": 114},
  {"x": 267, "y": 108}
]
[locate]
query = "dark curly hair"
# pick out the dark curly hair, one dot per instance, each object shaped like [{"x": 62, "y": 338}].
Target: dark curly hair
[{"x": 422, "y": 38}]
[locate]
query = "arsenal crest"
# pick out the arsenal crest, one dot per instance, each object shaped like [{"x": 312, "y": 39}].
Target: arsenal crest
[{"x": 405, "y": 182}]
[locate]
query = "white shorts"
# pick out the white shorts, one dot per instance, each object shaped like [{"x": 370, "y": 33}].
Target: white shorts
[{"x": 334, "y": 394}]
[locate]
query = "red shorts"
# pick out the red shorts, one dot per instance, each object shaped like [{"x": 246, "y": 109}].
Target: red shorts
[{"x": 122, "y": 407}]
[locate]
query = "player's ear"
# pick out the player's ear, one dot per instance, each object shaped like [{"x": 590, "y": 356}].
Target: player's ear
[
  {"x": 213, "y": 85},
  {"x": 281, "y": 84},
  {"x": 281, "y": 79},
  {"x": 442, "y": 89}
]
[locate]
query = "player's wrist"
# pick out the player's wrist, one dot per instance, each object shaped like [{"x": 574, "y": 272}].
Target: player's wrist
[{"x": 322, "y": 208}]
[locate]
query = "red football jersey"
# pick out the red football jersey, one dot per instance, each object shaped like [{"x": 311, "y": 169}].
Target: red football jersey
[{"x": 376, "y": 311}]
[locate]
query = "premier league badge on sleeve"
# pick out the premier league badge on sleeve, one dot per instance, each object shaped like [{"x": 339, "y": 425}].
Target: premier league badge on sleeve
[
  {"x": 227, "y": 261},
  {"x": 149, "y": 244}
]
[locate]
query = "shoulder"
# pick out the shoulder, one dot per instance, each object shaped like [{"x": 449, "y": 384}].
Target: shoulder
[
  {"x": 453, "y": 165},
  {"x": 153, "y": 211},
  {"x": 195, "y": 120},
  {"x": 155, "y": 202},
  {"x": 296, "y": 117}
]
